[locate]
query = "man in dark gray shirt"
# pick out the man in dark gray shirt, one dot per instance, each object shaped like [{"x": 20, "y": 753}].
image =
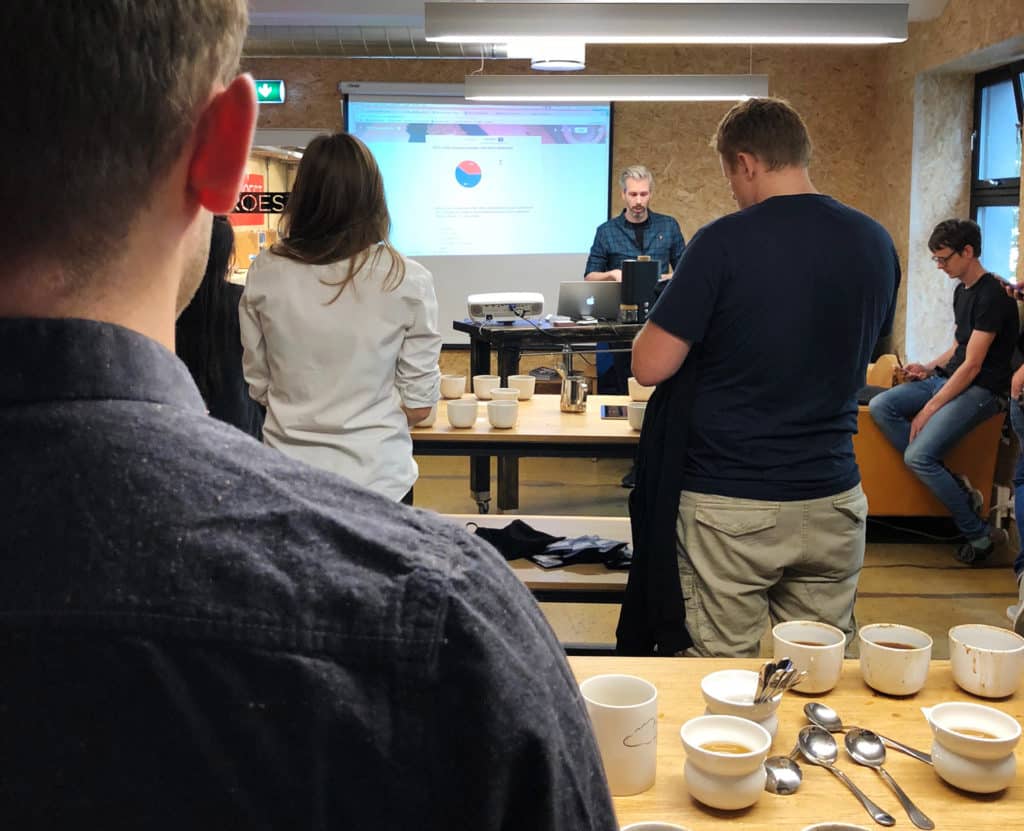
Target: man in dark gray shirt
[{"x": 196, "y": 631}]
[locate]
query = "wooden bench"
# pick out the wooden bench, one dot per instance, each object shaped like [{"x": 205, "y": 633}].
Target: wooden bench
[
  {"x": 891, "y": 488},
  {"x": 584, "y": 583}
]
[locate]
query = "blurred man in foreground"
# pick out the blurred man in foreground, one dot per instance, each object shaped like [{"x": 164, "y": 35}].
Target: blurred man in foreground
[{"x": 198, "y": 632}]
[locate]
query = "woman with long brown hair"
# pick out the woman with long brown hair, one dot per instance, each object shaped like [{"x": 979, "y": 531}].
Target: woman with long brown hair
[{"x": 340, "y": 330}]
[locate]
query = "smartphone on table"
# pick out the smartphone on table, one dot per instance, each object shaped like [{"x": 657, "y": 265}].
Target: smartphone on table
[{"x": 613, "y": 411}]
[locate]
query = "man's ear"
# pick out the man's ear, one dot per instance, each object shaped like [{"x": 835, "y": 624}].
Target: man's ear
[
  {"x": 745, "y": 165},
  {"x": 223, "y": 140}
]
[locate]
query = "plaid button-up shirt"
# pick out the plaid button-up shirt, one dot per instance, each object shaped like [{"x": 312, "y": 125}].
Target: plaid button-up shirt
[{"x": 615, "y": 241}]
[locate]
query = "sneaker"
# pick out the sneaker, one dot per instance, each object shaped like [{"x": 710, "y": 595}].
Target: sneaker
[
  {"x": 975, "y": 496},
  {"x": 1016, "y": 612},
  {"x": 972, "y": 555},
  {"x": 629, "y": 480}
]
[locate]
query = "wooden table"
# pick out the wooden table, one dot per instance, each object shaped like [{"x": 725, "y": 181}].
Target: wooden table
[
  {"x": 508, "y": 341},
  {"x": 821, "y": 796},
  {"x": 542, "y": 430}
]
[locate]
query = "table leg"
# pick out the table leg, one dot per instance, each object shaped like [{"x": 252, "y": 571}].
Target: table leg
[
  {"x": 479, "y": 466},
  {"x": 508, "y": 466},
  {"x": 508, "y": 363},
  {"x": 479, "y": 359},
  {"x": 480, "y": 482},
  {"x": 508, "y": 483}
]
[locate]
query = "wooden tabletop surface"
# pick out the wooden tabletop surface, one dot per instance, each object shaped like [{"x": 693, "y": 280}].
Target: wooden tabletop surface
[
  {"x": 540, "y": 420},
  {"x": 821, "y": 796}
]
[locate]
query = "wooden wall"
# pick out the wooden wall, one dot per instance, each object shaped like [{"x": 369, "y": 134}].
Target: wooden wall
[{"x": 883, "y": 119}]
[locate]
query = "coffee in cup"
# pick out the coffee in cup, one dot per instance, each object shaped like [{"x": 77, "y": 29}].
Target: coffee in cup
[
  {"x": 814, "y": 647},
  {"x": 894, "y": 659}
]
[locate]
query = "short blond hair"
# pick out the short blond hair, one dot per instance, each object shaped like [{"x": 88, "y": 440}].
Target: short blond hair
[
  {"x": 112, "y": 92},
  {"x": 636, "y": 171}
]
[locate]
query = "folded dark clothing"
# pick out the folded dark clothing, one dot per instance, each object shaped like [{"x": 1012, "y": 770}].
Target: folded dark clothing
[
  {"x": 585, "y": 549},
  {"x": 515, "y": 540}
]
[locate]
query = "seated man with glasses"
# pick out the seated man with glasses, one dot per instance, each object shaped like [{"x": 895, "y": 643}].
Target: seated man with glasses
[{"x": 958, "y": 390}]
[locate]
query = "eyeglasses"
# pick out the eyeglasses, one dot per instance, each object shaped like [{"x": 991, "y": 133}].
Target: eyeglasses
[{"x": 943, "y": 260}]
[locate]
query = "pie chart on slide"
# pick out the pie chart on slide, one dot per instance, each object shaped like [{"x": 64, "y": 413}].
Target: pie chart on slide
[{"x": 467, "y": 174}]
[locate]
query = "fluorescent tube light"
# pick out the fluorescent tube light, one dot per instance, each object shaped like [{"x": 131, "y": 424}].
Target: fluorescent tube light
[
  {"x": 681, "y": 22},
  {"x": 614, "y": 87}
]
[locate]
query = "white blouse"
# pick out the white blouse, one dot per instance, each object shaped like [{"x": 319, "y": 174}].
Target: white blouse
[{"x": 334, "y": 377}]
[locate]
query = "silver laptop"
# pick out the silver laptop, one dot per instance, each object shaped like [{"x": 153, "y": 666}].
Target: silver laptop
[{"x": 589, "y": 298}]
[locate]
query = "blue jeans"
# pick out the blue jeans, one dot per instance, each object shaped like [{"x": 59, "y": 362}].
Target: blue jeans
[
  {"x": 894, "y": 409},
  {"x": 1017, "y": 421}
]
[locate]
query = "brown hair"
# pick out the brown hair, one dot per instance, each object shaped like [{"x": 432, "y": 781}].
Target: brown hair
[
  {"x": 110, "y": 93},
  {"x": 768, "y": 128},
  {"x": 956, "y": 234},
  {"x": 337, "y": 211}
]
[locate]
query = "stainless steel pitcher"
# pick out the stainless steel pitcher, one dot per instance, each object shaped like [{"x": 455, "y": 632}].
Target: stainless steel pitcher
[{"x": 574, "y": 393}]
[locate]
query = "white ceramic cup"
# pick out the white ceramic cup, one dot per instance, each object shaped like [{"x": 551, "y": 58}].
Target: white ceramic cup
[
  {"x": 502, "y": 414},
  {"x": 978, "y": 763},
  {"x": 724, "y": 780},
  {"x": 812, "y": 646},
  {"x": 635, "y": 411},
  {"x": 652, "y": 826},
  {"x": 504, "y": 394},
  {"x": 452, "y": 386},
  {"x": 835, "y": 826},
  {"x": 730, "y": 692},
  {"x": 894, "y": 659},
  {"x": 462, "y": 413},
  {"x": 526, "y": 384},
  {"x": 483, "y": 384},
  {"x": 637, "y": 391},
  {"x": 986, "y": 660},
  {"x": 430, "y": 418},
  {"x": 623, "y": 711}
]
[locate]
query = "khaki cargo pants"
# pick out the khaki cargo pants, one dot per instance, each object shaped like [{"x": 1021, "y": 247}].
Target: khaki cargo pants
[{"x": 745, "y": 563}]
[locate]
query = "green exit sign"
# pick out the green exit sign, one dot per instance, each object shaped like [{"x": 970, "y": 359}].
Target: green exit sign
[{"x": 270, "y": 92}]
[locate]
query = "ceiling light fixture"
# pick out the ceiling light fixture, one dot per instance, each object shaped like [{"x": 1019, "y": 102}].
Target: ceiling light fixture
[
  {"x": 614, "y": 87},
  {"x": 679, "y": 22},
  {"x": 550, "y": 54}
]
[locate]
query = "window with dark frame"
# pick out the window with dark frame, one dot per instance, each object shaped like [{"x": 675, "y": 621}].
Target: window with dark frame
[{"x": 996, "y": 162}]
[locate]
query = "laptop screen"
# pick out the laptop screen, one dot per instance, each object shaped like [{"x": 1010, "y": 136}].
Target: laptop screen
[{"x": 589, "y": 298}]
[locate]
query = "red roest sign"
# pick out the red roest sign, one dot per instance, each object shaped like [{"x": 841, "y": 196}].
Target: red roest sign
[
  {"x": 262, "y": 203},
  {"x": 253, "y": 184}
]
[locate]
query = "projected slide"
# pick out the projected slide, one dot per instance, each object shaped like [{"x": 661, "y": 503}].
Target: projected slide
[{"x": 485, "y": 179}]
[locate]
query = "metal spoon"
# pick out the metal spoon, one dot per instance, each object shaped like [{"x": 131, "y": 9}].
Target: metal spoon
[
  {"x": 819, "y": 748},
  {"x": 784, "y": 775},
  {"x": 825, "y": 716},
  {"x": 866, "y": 748},
  {"x": 762, "y": 680}
]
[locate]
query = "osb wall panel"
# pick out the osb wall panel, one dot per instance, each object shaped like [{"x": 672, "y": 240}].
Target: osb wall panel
[
  {"x": 672, "y": 139},
  {"x": 965, "y": 35},
  {"x": 313, "y": 100}
]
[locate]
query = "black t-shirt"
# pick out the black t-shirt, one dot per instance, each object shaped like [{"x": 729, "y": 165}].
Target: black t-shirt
[
  {"x": 985, "y": 307},
  {"x": 639, "y": 229},
  {"x": 786, "y": 300}
]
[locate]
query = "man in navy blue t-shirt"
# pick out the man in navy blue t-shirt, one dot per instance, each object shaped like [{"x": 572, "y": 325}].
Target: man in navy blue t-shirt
[{"x": 781, "y": 304}]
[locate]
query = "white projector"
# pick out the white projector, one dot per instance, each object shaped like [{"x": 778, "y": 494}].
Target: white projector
[{"x": 505, "y": 306}]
